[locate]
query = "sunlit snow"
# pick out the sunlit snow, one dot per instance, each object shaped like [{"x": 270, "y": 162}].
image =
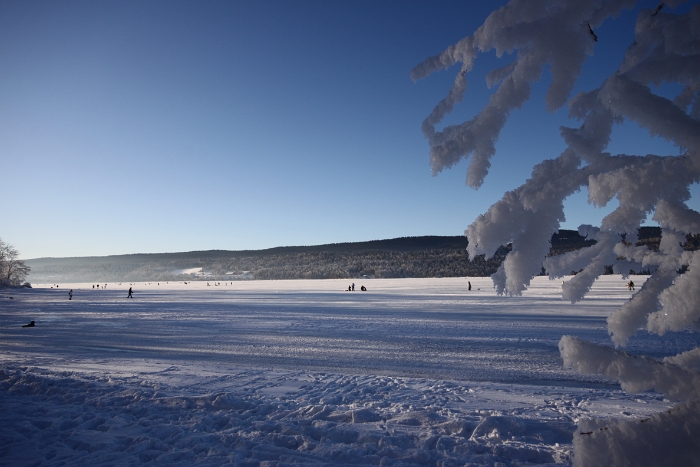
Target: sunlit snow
[{"x": 413, "y": 371}]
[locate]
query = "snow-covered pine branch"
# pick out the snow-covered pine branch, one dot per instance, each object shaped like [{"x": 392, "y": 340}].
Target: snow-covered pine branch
[{"x": 557, "y": 35}]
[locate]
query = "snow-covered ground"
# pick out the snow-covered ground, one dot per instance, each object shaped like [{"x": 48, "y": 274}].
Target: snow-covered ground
[{"x": 411, "y": 372}]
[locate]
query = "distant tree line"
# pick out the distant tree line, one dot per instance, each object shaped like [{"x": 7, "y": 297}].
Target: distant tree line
[
  {"x": 397, "y": 258},
  {"x": 371, "y": 264},
  {"x": 314, "y": 265}
]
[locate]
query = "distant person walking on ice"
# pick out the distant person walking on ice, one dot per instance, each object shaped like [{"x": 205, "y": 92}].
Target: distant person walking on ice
[
  {"x": 129, "y": 296},
  {"x": 469, "y": 285},
  {"x": 70, "y": 294}
]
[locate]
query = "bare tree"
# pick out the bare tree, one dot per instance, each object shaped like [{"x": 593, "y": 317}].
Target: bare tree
[{"x": 13, "y": 271}]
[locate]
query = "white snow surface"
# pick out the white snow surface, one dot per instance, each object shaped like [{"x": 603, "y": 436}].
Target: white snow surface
[
  {"x": 263, "y": 373},
  {"x": 195, "y": 271}
]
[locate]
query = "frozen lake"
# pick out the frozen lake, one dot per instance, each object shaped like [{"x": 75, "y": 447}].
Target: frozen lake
[{"x": 413, "y": 371}]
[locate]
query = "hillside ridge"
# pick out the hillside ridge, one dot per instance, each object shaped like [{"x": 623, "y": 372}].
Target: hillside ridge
[{"x": 425, "y": 256}]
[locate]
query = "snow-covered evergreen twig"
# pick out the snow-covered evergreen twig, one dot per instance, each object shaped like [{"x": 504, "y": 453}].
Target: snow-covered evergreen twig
[{"x": 559, "y": 35}]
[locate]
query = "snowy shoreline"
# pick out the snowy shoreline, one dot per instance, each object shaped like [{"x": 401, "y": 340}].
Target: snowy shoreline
[{"x": 412, "y": 372}]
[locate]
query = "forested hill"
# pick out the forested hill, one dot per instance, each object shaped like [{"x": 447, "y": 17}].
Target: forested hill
[{"x": 429, "y": 256}]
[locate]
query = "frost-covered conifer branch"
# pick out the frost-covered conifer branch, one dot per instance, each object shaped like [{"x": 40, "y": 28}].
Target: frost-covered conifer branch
[
  {"x": 558, "y": 35},
  {"x": 543, "y": 33},
  {"x": 636, "y": 374}
]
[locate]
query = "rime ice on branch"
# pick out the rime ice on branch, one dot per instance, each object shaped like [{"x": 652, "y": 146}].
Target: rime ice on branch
[{"x": 559, "y": 35}]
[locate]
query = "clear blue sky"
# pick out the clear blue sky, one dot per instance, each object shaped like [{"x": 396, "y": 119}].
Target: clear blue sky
[{"x": 160, "y": 126}]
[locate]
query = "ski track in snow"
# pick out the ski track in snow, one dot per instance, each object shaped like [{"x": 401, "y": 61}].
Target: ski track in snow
[{"x": 262, "y": 373}]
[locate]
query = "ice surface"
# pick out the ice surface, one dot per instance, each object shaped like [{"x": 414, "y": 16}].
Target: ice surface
[{"x": 412, "y": 372}]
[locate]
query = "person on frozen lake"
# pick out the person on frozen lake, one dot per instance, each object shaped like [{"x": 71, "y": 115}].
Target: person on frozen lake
[
  {"x": 70, "y": 294},
  {"x": 129, "y": 296}
]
